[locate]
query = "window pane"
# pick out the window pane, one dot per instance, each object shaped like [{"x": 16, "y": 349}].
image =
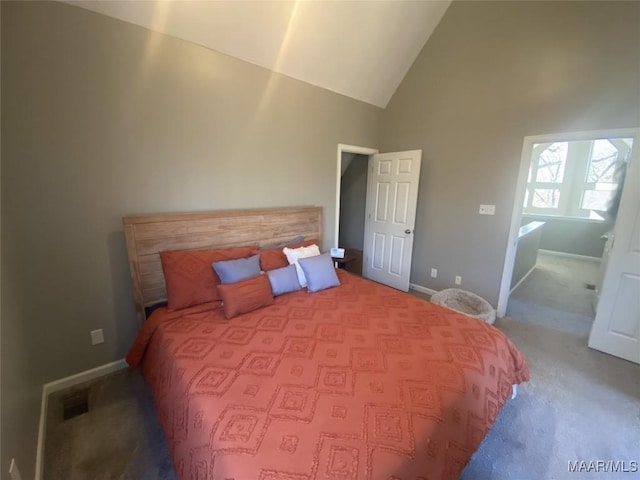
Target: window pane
[
  {"x": 551, "y": 163},
  {"x": 597, "y": 199},
  {"x": 603, "y": 162},
  {"x": 545, "y": 198}
]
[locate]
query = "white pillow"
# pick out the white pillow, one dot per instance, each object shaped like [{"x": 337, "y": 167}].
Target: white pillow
[{"x": 295, "y": 254}]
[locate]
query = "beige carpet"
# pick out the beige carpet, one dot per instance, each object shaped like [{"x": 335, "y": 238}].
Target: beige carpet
[
  {"x": 555, "y": 294},
  {"x": 581, "y": 404}
]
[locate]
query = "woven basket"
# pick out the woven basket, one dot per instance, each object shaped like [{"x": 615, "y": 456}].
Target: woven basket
[{"x": 465, "y": 302}]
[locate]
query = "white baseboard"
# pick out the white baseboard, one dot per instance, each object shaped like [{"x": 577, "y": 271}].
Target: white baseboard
[
  {"x": 61, "y": 384},
  {"x": 522, "y": 279},
  {"x": 421, "y": 289},
  {"x": 85, "y": 376},
  {"x": 570, "y": 255},
  {"x": 42, "y": 431}
]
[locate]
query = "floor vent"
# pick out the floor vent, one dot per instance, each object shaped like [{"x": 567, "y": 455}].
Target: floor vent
[{"x": 75, "y": 404}]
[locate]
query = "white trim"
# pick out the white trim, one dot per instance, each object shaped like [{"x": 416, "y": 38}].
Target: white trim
[
  {"x": 61, "y": 384},
  {"x": 85, "y": 376},
  {"x": 544, "y": 217},
  {"x": 421, "y": 289},
  {"x": 514, "y": 229},
  {"x": 350, "y": 149},
  {"x": 516, "y": 216},
  {"x": 571, "y": 255},
  {"x": 42, "y": 432},
  {"x": 522, "y": 280}
]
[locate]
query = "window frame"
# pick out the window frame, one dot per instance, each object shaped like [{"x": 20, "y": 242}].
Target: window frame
[{"x": 574, "y": 183}]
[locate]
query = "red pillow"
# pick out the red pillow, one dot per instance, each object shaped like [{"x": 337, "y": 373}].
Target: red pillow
[
  {"x": 189, "y": 276},
  {"x": 274, "y": 258},
  {"x": 246, "y": 295}
]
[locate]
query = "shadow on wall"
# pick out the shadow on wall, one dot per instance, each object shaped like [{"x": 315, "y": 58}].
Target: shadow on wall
[{"x": 122, "y": 291}]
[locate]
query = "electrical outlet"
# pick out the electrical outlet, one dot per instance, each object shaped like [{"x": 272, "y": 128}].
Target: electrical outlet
[
  {"x": 487, "y": 210},
  {"x": 458, "y": 279},
  {"x": 13, "y": 470},
  {"x": 97, "y": 336},
  {"x": 434, "y": 272}
]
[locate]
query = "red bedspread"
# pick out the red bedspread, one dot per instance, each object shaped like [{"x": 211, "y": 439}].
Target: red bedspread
[{"x": 355, "y": 382}]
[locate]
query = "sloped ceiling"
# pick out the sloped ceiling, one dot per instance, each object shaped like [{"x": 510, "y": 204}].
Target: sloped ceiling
[{"x": 361, "y": 49}]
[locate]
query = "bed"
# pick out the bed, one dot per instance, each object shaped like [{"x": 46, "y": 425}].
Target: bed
[{"x": 358, "y": 381}]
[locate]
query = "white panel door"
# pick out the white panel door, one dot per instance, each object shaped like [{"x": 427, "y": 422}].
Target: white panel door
[
  {"x": 616, "y": 329},
  {"x": 392, "y": 194}
]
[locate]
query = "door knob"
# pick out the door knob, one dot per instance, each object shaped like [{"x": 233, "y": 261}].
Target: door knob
[{"x": 407, "y": 231}]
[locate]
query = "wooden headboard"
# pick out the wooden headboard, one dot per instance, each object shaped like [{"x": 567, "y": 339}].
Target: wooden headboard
[{"x": 147, "y": 235}]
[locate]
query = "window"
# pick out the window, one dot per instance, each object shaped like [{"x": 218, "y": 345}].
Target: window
[
  {"x": 576, "y": 179},
  {"x": 546, "y": 176},
  {"x": 603, "y": 174}
]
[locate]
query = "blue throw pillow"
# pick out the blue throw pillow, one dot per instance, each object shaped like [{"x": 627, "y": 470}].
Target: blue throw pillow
[
  {"x": 232, "y": 271},
  {"x": 284, "y": 280},
  {"x": 319, "y": 272}
]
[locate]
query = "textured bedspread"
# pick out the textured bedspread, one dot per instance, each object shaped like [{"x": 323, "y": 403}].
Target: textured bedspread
[{"x": 355, "y": 382}]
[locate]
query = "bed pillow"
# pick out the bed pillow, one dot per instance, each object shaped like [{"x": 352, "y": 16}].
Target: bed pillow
[
  {"x": 284, "y": 280},
  {"x": 232, "y": 271},
  {"x": 295, "y": 254},
  {"x": 245, "y": 296},
  {"x": 275, "y": 258},
  {"x": 319, "y": 272},
  {"x": 188, "y": 275}
]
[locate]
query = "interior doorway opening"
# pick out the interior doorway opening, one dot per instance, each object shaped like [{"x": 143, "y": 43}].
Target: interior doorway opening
[
  {"x": 353, "y": 203},
  {"x": 567, "y": 199},
  {"x": 351, "y": 196},
  {"x": 391, "y": 201}
]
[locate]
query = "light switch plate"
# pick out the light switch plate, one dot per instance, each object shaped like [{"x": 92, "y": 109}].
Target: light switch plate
[{"x": 487, "y": 210}]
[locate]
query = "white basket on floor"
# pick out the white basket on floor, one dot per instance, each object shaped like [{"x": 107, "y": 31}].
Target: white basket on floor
[{"x": 465, "y": 302}]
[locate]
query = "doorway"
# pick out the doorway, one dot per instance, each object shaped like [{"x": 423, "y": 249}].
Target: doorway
[
  {"x": 390, "y": 213},
  {"x": 353, "y": 203},
  {"x": 351, "y": 196},
  {"x": 566, "y": 205}
]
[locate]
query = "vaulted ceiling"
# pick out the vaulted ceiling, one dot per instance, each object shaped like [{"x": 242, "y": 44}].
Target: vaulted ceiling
[{"x": 361, "y": 49}]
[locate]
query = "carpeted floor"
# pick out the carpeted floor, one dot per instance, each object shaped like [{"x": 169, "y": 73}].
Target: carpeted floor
[
  {"x": 119, "y": 438},
  {"x": 579, "y": 405},
  {"x": 555, "y": 294}
]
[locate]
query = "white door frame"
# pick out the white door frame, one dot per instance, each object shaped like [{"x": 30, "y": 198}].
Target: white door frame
[
  {"x": 342, "y": 148},
  {"x": 516, "y": 216}
]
